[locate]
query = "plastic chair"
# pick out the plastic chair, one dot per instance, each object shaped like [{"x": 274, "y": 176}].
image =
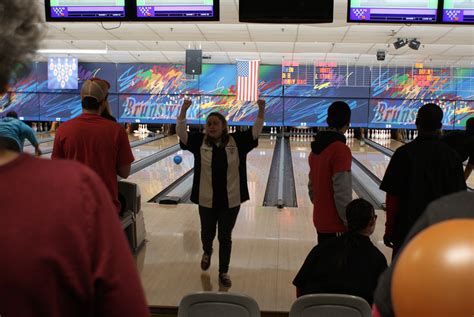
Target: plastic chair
[
  {"x": 207, "y": 304},
  {"x": 330, "y": 305}
]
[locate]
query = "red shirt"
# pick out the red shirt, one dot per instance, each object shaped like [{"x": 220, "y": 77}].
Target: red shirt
[
  {"x": 334, "y": 159},
  {"x": 99, "y": 143},
  {"x": 64, "y": 252}
]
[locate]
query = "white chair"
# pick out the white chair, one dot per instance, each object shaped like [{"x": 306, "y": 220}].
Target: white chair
[
  {"x": 216, "y": 304},
  {"x": 330, "y": 305}
]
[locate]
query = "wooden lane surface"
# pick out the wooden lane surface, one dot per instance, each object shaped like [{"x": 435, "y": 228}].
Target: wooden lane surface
[
  {"x": 158, "y": 176},
  {"x": 269, "y": 244}
]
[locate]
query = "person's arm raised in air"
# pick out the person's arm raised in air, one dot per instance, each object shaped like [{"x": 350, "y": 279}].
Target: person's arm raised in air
[
  {"x": 258, "y": 124},
  {"x": 181, "y": 122}
]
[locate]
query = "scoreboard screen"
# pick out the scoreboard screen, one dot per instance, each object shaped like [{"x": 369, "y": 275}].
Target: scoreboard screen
[
  {"x": 177, "y": 10},
  {"x": 422, "y": 77},
  {"x": 292, "y": 74},
  {"x": 393, "y": 11},
  {"x": 85, "y": 10},
  {"x": 458, "y": 11}
]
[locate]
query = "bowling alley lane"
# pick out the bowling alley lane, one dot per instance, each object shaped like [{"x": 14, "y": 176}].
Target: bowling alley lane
[
  {"x": 44, "y": 135},
  {"x": 142, "y": 151},
  {"x": 300, "y": 152},
  {"x": 470, "y": 181},
  {"x": 43, "y": 146},
  {"x": 374, "y": 160},
  {"x": 259, "y": 161},
  {"x": 394, "y": 145},
  {"x": 158, "y": 176},
  {"x": 390, "y": 144}
]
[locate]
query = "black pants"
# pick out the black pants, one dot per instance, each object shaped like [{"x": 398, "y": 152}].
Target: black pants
[
  {"x": 9, "y": 144},
  {"x": 328, "y": 236},
  {"x": 225, "y": 220}
]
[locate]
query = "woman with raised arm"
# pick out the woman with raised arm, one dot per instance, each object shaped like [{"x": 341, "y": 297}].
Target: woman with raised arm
[{"x": 220, "y": 179}]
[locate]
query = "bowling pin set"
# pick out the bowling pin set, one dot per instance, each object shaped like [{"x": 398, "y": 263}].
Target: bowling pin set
[
  {"x": 40, "y": 126},
  {"x": 380, "y": 134},
  {"x": 301, "y": 135},
  {"x": 411, "y": 134},
  {"x": 142, "y": 129}
]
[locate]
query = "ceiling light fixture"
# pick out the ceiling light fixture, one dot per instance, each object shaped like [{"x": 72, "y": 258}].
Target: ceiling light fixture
[
  {"x": 71, "y": 51},
  {"x": 399, "y": 43}
]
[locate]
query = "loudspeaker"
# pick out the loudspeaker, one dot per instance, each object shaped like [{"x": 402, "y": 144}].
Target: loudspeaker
[
  {"x": 380, "y": 55},
  {"x": 193, "y": 62}
]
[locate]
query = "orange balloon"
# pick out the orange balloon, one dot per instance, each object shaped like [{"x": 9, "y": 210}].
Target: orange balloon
[{"x": 434, "y": 275}]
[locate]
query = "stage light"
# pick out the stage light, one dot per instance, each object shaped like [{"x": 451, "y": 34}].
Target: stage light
[
  {"x": 399, "y": 43},
  {"x": 414, "y": 44}
]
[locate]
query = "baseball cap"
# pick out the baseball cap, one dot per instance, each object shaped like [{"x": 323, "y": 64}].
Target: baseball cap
[{"x": 95, "y": 88}]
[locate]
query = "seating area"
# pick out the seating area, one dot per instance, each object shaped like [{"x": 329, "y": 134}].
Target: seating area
[{"x": 204, "y": 304}]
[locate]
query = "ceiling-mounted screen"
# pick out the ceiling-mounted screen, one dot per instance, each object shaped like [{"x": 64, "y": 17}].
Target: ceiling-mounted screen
[
  {"x": 458, "y": 11},
  {"x": 176, "y": 10},
  {"x": 85, "y": 10},
  {"x": 393, "y": 11},
  {"x": 286, "y": 11}
]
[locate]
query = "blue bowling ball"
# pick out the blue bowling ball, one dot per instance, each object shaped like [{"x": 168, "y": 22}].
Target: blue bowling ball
[{"x": 177, "y": 159}]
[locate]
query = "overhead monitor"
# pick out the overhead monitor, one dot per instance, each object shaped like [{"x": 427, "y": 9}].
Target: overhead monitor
[
  {"x": 393, "y": 11},
  {"x": 62, "y": 73},
  {"x": 176, "y": 10},
  {"x": 458, "y": 11},
  {"x": 286, "y": 11},
  {"x": 85, "y": 10}
]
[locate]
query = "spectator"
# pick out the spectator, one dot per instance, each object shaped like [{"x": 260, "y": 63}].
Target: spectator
[
  {"x": 95, "y": 141},
  {"x": 63, "y": 249},
  {"x": 454, "y": 206},
  {"x": 418, "y": 173},
  {"x": 349, "y": 264},
  {"x": 463, "y": 143},
  {"x": 330, "y": 179}
]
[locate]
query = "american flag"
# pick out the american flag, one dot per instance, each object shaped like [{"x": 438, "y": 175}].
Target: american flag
[{"x": 247, "y": 80}]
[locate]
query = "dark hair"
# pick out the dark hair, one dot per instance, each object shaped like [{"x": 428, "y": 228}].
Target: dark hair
[
  {"x": 470, "y": 126},
  {"x": 225, "y": 134},
  {"x": 11, "y": 114},
  {"x": 90, "y": 103},
  {"x": 219, "y": 116},
  {"x": 21, "y": 32},
  {"x": 359, "y": 214},
  {"x": 339, "y": 114},
  {"x": 429, "y": 118}
]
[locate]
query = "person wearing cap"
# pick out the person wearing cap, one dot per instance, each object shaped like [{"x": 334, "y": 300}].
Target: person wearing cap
[
  {"x": 94, "y": 140},
  {"x": 419, "y": 173},
  {"x": 106, "y": 111}
]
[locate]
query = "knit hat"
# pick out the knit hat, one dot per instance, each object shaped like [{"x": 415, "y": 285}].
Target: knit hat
[{"x": 95, "y": 88}]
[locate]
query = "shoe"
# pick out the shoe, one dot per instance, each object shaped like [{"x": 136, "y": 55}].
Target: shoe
[
  {"x": 205, "y": 261},
  {"x": 224, "y": 279}
]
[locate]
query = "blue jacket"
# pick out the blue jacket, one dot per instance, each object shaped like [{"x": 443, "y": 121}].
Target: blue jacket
[{"x": 17, "y": 130}]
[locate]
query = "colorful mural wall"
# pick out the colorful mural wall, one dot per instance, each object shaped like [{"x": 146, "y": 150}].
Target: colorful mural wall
[{"x": 380, "y": 97}]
